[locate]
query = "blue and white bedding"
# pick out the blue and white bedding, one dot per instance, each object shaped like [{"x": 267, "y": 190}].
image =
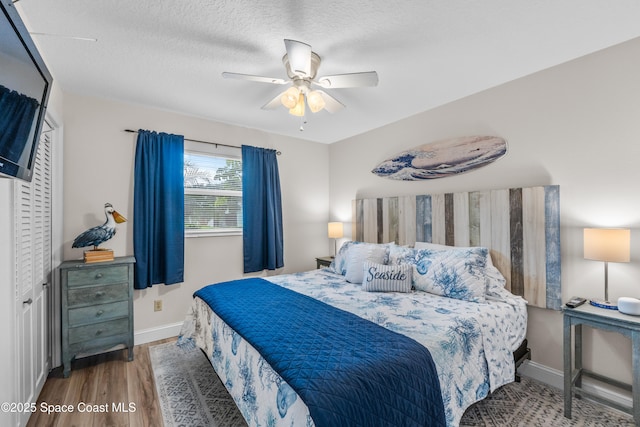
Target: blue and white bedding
[
  {"x": 329, "y": 356},
  {"x": 471, "y": 343}
]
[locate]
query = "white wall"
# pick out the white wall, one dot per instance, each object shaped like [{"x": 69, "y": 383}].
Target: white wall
[
  {"x": 576, "y": 125},
  {"x": 99, "y": 159}
]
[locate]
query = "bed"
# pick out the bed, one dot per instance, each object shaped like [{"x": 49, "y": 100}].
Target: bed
[
  {"x": 457, "y": 306},
  {"x": 472, "y": 343}
]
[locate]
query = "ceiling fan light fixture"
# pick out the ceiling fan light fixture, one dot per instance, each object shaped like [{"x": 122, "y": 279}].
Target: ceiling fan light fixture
[
  {"x": 315, "y": 101},
  {"x": 290, "y": 97},
  {"x": 302, "y": 64},
  {"x": 298, "y": 109}
]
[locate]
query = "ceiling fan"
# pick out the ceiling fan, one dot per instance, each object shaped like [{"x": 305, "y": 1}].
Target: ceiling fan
[{"x": 302, "y": 66}]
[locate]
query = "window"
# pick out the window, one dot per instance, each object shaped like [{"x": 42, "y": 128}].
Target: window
[{"x": 212, "y": 194}]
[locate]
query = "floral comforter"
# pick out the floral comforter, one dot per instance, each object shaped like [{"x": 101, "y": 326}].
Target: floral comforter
[{"x": 471, "y": 344}]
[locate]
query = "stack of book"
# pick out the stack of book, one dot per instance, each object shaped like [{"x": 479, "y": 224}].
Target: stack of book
[{"x": 98, "y": 255}]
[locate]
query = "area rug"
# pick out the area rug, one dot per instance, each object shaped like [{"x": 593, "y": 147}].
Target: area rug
[
  {"x": 190, "y": 392},
  {"x": 191, "y": 395}
]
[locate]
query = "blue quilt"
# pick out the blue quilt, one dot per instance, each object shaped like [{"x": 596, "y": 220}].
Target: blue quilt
[{"x": 348, "y": 371}]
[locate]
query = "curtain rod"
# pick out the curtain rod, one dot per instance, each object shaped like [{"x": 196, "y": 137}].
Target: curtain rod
[{"x": 205, "y": 142}]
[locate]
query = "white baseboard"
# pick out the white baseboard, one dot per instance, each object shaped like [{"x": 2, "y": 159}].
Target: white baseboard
[
  {"x": 555, "y": 378},
  {"x": 159, "y": 333}
]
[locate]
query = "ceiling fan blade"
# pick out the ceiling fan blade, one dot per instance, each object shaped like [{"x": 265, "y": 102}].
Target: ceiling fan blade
[
  {"x": 299, "y": 55},
  {"x": 63, "y": 36},
  {"x": 274, "y": 103},
  {"x": 331, "y": 104},
  {"x": 368, "y": 78},
  {"x": 252, "y": 78}
]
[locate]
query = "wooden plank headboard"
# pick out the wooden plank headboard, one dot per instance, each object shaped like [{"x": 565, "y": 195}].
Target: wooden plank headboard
[{"x": 520, "y": 226}]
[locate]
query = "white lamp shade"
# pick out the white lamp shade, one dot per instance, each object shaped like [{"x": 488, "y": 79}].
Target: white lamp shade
[
  {"x": 290, "y": 97},
  {"x": 336, "y": 230},
  {"x": 315, "y": 101},
  {"x": 607, "y": 244},
  {"x": 298, "y": 110}
]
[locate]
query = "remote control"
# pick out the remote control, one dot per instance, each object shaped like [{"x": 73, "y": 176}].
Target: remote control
[{"x": 575, "y": 302}]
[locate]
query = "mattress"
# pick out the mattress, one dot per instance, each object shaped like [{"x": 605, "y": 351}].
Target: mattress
[{"x": 471, "y": 343}]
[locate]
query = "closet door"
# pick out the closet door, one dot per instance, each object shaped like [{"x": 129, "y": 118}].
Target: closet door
[{"x": 32, "y": 202}]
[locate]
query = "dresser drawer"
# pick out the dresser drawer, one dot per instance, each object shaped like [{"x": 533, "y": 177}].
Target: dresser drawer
[
  {"x": 98, "y": 276},
  {"x": 98, "y": 313},
  {"x": 98, "y": 330},
  {"x": 97, "y": 294}
]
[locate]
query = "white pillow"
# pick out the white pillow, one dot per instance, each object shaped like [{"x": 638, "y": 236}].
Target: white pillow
[
  {"x": 439, "y": 247},
  {"x": 386, "y": 278},
  {"x": 339, "y": 263},
  {"x": 360, "y": 253},
  {"x": 458, "y": 273},
  {"x": 429, "y": 245}
]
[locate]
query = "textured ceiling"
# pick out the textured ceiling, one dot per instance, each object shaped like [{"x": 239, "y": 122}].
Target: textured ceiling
[{"x": 170, "y": 54}]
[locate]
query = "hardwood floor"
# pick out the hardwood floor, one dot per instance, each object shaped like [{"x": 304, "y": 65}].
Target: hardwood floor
[{"x": 102, "y": 390}]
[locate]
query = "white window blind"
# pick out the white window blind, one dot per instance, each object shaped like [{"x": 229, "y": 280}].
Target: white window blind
[{"x": 212, "y": 194}]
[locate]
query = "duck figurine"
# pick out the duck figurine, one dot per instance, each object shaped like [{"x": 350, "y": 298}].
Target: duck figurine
[{"x": 101, "y": 233}]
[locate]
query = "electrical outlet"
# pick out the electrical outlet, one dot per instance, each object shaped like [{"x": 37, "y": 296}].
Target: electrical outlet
[{"x": 157, "y": 305}]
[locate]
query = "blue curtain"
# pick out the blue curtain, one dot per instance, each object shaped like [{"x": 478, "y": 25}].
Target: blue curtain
[
  {"x": 261, "y": 210},
  {"x": 158, "y": 209},
  {"x": 17, "y": 112}
]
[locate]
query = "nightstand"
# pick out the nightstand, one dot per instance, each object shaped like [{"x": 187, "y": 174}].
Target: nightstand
[
  {"x": 97, "y": 307},
  {"x": 324, "y": 261},
  {"x": 608, "y": 320}
]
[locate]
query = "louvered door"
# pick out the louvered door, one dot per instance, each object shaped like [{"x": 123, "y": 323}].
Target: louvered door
[{"x": 32, "y": 202}]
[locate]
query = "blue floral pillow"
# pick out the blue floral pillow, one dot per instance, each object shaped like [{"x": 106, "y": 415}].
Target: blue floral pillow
[
  {"x": 454, "y": 273},
  {"x": 495, "y": 280},
  {"x": 458, "y": 273},
  {"x": 339, "y": 263},
  {"x": 401, "y": 255}
]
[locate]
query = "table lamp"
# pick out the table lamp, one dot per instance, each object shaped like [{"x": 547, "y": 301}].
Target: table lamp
[
  {"x": 336, "y": 231},
  {"x": 608, "y": 245}
]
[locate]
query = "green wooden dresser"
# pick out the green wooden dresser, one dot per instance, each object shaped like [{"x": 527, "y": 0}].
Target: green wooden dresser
[{"x": 97, "y": 307}]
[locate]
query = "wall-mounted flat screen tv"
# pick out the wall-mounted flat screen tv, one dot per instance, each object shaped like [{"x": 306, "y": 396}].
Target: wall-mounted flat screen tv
[{"x": 25, "y": 84}]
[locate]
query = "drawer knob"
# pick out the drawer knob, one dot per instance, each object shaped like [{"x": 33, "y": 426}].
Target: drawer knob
[
  {"x": 98, "y": 275},
  {"x": 100, "y": 294},
  {"x": 99, "y": 313}
]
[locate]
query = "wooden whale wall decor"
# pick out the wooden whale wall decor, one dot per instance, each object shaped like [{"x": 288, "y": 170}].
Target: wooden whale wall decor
[{"x": 443, "y": 158}]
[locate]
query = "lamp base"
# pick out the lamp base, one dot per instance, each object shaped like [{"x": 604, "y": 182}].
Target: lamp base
[{"x": 603, "y": 304}]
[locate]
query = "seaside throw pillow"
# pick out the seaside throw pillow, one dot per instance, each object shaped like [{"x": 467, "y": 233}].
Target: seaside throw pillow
[{"x": 386, "y": 278}]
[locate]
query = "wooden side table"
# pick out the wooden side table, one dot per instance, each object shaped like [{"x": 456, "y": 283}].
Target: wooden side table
[
  {"x": 608, "y": 320},
  {"x": 324, "y": 261}
]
